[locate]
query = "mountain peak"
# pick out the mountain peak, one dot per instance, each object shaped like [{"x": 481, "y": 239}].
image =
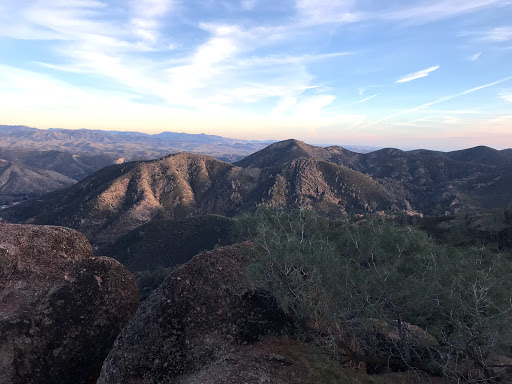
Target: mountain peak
[
  {"x": 481, "y": 155},
  {"x": 280, "y": 153}
]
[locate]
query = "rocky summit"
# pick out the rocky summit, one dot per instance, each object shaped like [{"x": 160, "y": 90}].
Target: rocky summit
[{"x": 60, "y": 308}]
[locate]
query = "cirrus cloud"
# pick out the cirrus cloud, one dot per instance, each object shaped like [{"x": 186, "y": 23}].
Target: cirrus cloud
[{"x": 417, "y": 75}]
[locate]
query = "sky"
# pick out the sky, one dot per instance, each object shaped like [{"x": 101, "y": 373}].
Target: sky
[{"x": 410, "y": 74}]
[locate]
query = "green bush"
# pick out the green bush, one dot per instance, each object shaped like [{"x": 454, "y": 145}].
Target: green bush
[
  {"x": 376, "y": 277},
  {"x": 150, "y": 280}
]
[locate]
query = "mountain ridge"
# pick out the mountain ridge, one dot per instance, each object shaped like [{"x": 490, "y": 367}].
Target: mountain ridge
[
  {"x": 119, "y": 198},
  {"x": 291, "y": 174},
  {"x": 132, "y": 145},
  {"x": 423, "y": 177}
]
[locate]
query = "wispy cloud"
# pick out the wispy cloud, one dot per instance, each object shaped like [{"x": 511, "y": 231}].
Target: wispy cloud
[
  {"x": 506, "y": 96},
  {"x": 498, "y": 34},
  {"x": 327, "y": 11},
  {"x": 417, "y": 75},
  {"x": 350, "y": 11},
  {"x": 282, "y": 60},
  {"x": 475, "y": 57},
  {"x": 441, "y": 100},
  {"x": 354, "y": 103},
  {"x": 146, "y": 18},
  {"x": 439, "y": 9},
  {"x": 216, "y": 69}
]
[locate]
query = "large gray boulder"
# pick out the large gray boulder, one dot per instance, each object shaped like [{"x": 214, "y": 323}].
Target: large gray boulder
[
  {"x": 61, "y": 308},
  {"x": 205, "y": 324}
]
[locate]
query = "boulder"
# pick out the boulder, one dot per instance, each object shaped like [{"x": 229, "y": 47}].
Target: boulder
[
  {"x": 205, "y": 323},
  {"x": 61, "y": 308}
]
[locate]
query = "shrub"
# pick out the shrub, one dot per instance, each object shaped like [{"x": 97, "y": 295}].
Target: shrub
[{"x": 375, "y": 279}]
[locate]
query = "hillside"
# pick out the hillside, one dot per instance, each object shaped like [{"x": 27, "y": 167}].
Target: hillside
[
  {"x": 66, "y": 163},
  {"x": 118, "y": 199},
  {"x": 169, "y": 243},
  {"x": 480, "y": 155},
  {"x": 27, "y": 174},
  {"x": 19, "y": 182},
  {"x": 283, "y": 152},
  {"x": 153, "y": 250},
  {"x": 507, "y": 151},
  {"x": 473, "y": 178}
]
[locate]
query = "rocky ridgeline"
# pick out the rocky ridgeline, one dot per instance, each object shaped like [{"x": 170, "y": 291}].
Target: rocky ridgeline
[{"x": 60, "y": 308}]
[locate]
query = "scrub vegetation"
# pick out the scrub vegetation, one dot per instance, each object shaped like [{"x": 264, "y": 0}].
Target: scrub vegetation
[{"x": 385, "y": 295}]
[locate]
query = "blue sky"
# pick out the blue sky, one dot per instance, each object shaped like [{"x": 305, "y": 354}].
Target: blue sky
[{"x": 430, "y": 74}]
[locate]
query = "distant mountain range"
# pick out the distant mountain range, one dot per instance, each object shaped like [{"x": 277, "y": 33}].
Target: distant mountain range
[
  {"x": 31, "y": 153},
  {"x": 128, "y": 145},
  {"x": 119, "y": 198},
  {"x": 133, "y": 145}
]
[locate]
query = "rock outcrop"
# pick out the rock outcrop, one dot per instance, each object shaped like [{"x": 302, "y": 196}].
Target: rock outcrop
[
  {"x": 60, "y": 308},
  {"x": 204, "y": 324}
]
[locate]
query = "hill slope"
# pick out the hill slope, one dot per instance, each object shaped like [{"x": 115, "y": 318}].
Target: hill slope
[
  {"x": 18, "y": 182},
  {"x": 507, "y": 151},
  {"x": 283, "y": 152},
  {"x": 169, "y": 243},
  {"x": 68, "y": 164},
  {"x": 473, "y": 178},
  {"x": 118, "y": 199},
  {"x": 480, "y": 155}
]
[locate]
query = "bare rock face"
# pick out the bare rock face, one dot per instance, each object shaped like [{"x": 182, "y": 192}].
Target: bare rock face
[
  {"x": 60, "y": 308},
  {"x": 204, "y": 320}
]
